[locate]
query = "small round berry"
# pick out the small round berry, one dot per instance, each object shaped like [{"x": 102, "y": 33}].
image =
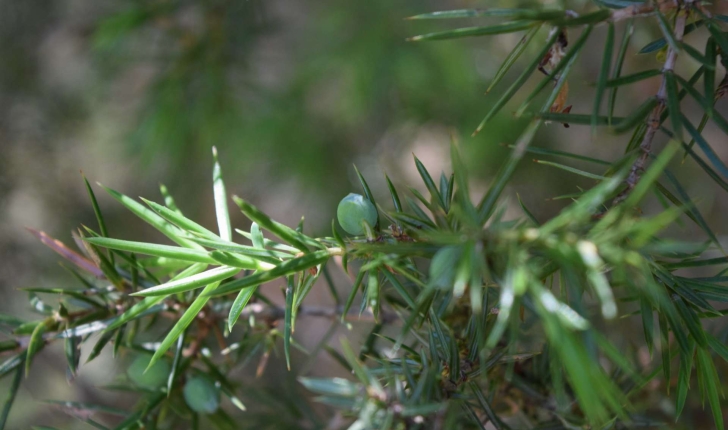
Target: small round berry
[
  {"x": 201, "y": 395},
  {"x": 352, "y": 210},
  {"x": 153, "y": 378}
]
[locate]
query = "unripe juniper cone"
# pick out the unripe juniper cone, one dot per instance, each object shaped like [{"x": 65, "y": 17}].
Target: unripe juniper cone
[
  {"x": 201, "y": 395},
  {"x": 153, "y": 378},
  {"x": 353, "y": 210}
]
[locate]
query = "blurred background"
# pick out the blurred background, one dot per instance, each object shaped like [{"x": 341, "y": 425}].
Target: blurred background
[{"x": 292, "y": 94}]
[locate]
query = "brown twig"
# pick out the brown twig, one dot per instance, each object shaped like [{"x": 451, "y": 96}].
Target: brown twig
[
  {"x": 642, "y": 10},
  {"x": 636, "y": 10},
  {"x": 653, "y": 120}
]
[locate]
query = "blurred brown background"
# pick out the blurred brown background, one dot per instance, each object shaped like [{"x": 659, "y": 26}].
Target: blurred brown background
[{"x": 135, "y": 93}]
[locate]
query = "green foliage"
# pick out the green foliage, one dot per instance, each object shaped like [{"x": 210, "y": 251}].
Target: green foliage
[{"x": 489, "y": 318}]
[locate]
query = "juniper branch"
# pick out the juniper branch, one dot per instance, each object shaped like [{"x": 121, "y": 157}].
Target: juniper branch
[{"x": 653, "y": 120}]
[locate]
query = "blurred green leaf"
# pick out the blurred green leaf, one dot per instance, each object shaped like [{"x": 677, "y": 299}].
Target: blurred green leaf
[
  {"x": 683, "y": 383},
  {"x": 620, "y": 4},
  {"x": 332, "y": 386},
  {"x": 100, "y": 344},
  {"x": 570, "y": 169},
  {"x": 616, "y": 74},
  {"x": 661, "y": 43},
  {"x": 666, "y": 29},
  {"x": 488, "y": 30},
  {"x": 635, "y": 77},
  {"x": 636, "y": 117},
  {"x": 673, "y": 104},
  {"x": 168, "y": 199},
  {"x": 35, "y": 344},
  {"x": 597, "y": 16},
  {"x": 520, "y": 80},
  {"x": 603, "y": 74},
  {"x": 12, "y": 392},
  {"x": 535, "y": 14},
  {"x": 512, "y": 57},
  {"x": 709, "y": 376}
]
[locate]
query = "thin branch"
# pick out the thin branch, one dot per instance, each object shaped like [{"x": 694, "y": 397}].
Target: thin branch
[
  {"x": 642, "y": 10},
  {"x": 271, "y": 314},
  {"x": 653, "y": 120},
  {"x": 634, "y": 11},
  {"x": 267, "y": 313}
]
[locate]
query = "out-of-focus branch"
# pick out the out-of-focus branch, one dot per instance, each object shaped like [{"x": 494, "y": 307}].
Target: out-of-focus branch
[
  {"x": 269, "y": 314},
  {"x": 653, "y": 120},
  {"x": 642, "y": 10},
  {"x": 272, "y": 314}
]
